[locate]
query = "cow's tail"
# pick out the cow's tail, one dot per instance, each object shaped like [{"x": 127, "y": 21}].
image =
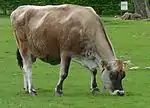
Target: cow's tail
[{"x": 19, "y": 59}]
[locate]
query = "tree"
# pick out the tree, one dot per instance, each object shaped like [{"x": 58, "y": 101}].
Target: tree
[
  {"x": 102, "y": 7},
  {"x": 147, "y": 4},
  {"x": 142, "y": 7},
  {"x": 4, "y": 4}
]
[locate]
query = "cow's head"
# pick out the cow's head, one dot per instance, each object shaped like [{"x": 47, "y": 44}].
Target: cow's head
[{"x": 112, "y": 75}]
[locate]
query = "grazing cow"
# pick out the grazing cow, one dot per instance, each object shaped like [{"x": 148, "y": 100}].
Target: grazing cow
[{"x": 61, "y": 33}]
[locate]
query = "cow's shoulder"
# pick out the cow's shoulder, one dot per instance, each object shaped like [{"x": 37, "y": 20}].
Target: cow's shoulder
[{"x": 90, "y": 9}]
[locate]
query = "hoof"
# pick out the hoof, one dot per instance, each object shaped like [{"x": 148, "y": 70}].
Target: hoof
[
  {"x": 95, "y": 91},
  {"x": 25, "y": 89},
  {"x": 59, "y": 93},
  {"x": 33, "y": 92}
]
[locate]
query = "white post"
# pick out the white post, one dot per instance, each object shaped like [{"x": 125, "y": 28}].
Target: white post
[{"x": 124, "y": 6}]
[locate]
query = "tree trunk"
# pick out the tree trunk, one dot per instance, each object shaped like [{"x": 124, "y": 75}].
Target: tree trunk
[
  {"x": 4, "y": 12},
  {"x": 147, "y": 4},
  {"x": 142, "y": 8}
]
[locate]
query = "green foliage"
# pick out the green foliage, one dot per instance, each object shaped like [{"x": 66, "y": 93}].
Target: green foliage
[
  {"x": 131, "y": 6},
  {"x": 102, "y": 7}
]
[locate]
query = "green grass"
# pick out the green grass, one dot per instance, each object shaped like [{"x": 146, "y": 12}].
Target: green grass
[{"x": 131, "y": 40}]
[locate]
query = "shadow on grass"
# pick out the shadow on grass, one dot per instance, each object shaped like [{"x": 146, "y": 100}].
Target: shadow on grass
[{"x": 67, "y": 94}]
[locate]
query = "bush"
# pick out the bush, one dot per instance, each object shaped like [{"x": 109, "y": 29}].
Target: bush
[{"x": 102, "y": 7}]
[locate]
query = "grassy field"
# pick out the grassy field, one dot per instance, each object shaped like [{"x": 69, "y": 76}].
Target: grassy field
[{"x": 131, "y": 40}]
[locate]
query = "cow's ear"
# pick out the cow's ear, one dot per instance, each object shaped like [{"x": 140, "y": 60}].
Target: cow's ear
[
  {"x": 126, "y": 63},
  {"x": 104, "y": 63}
]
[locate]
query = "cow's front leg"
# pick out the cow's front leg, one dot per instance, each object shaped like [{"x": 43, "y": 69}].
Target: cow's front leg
[
  {"x": 64, "y": 67},
  {"x": 94, "y": 87}
]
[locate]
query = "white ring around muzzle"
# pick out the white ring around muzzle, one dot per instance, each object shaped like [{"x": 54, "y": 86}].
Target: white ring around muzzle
[{"x": 121, "y": 92}]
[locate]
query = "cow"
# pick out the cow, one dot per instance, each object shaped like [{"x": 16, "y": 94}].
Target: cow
[{"x": 59, "y": 34}]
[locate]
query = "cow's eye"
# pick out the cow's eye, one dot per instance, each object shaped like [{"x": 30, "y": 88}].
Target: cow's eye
[{"x": 113, "y": 76}]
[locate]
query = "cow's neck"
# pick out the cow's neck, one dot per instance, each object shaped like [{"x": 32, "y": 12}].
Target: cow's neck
[{"x": 104, "y": 48}]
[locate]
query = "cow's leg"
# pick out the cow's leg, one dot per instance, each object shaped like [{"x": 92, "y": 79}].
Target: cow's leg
[
  {"x": 27, "y": 67},
  {"x": 94, "y": 87},
  {"x": 64, "y": 67},
  {"x": 25, "y": 59}
]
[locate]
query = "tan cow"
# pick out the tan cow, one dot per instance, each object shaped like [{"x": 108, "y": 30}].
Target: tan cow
[{"x": 61, "y": 33}]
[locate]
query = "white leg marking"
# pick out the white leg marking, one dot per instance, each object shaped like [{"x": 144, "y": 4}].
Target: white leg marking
[
  {"x": 60, "y": 73},
  {"x": 92, "y": 78},
  {"x": 25, "y": 82},
  {"x": 27, "y": 66}
]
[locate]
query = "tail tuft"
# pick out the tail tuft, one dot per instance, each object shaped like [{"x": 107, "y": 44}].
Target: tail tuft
[{"x": 19, "y": 58}]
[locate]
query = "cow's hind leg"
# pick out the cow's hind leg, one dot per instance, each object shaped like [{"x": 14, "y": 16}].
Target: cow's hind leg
[
  {"x": 27, "y": 60},
  {"x": 94, "y": 87},
  {"x": 64, "y": 67}
]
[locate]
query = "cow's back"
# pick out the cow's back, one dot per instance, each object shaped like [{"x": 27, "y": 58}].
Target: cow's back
[{"x": 52, "y": 29}]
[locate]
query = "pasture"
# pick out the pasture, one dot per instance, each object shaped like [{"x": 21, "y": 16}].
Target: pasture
[{"x": 131, "y": 40}]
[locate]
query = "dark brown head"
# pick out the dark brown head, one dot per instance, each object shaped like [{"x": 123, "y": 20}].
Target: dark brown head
[{"x": 112, "y": 75}]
